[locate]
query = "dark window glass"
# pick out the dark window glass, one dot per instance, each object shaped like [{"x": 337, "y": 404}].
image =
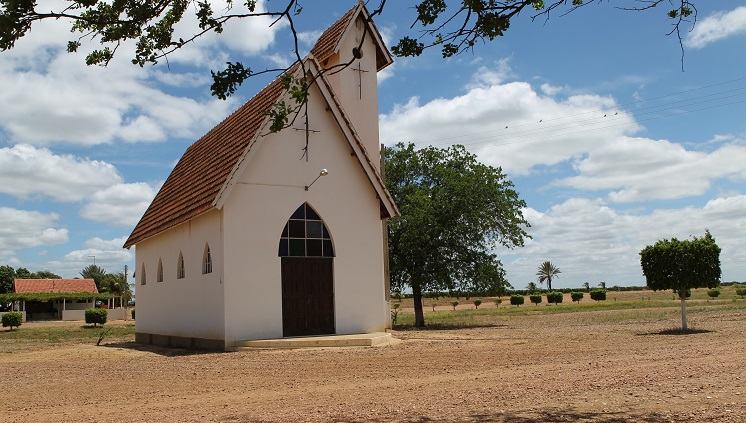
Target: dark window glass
[
  {"x": 311, "y": 214},
  {"x": 297, "y": 228},
  {"x": 305, "y": 235},
  {"x": 313, "y": 229},
  {"x": 300, "y": 213},
  {"x": 297, "y": 247},
  {"x": 313, "y": 248},
  {"x": 328, "y": 249},
  {"x": 284, "y": 252}
]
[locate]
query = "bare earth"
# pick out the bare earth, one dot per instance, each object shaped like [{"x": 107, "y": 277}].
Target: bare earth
[{"x": 607, "y": 366}]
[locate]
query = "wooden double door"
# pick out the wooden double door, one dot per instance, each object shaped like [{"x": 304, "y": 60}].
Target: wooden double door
[{"x": 307, "y": 296}]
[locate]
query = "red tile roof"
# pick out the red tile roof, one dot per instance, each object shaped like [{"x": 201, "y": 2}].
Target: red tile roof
[
  {"x": 194, "y": 185},
  {"x": 25, "y": 286}
]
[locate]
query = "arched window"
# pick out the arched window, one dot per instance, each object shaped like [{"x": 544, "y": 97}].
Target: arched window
[
  {"x": 159, "y": 276},
  {"x": 180, "y": 273},
  {"x": 305, "y": 235},
  {"x": 206, "y": 261},
  {"x": 143, "y": 279}
]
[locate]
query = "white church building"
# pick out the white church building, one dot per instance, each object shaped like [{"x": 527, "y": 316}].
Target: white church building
[{"x": 247, "y": 241}]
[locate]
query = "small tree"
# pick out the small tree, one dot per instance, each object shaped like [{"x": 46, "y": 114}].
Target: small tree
[
  {"x": 587, "y": 287},
  {"x": 434, "y": 304},
  {"x": 516, "y": 300},
  {"x": 532, "y": 288},
  {"x": 535, "y": 298},
  {"x": 395, "y": 312},
  {"x": 713, "y": 293},
  {"x": 12, "y": 319},
  {"x": 681, "y": 266},
  {"x": 477, "y": 303},
  {"x": 96, "y": 316},
  {"x": 546, "y": 272},
  {"x": 555, "y": 297},
  {"x": 454, "y": 304},
  {"x": 741, "y": 290},
  {"x": 498, "y": 301},
  {"x": 577, "y": 296},
  {"x": 598, "y": 295},
  {"x": 602, "y": 285}
]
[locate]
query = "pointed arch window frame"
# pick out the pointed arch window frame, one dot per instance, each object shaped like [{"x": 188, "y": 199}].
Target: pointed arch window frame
[
  {"x": 207, "y": 260},
  {"x": 180, "y": 270},
  {"x": 159, "y": 274},
  {"x": 143, "y": 277},
  {"x": 305, "y": 235}
]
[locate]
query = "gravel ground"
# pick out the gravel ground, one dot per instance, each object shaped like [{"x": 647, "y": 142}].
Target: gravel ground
[{"x": 606, "y": 366}]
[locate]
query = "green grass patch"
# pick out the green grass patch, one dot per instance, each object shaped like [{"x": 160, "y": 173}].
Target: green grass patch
[
  {"x": 31, "y": 338},
  {"x": 638, "y": 310}
]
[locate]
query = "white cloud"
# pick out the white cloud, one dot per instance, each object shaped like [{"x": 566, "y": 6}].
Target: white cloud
[
  {"x": 112, "y": 260},
  {"x": 643, "y": 169},
  {"x": 510, "y": 125},
  {"x": 490, "y": 76},
  {"x": 27, "y": 171},
  {"x": 716, "y": 27},
  {"x": 590, "y": 242},
  {"x": 27, "y": 229},
  {"x": 103, "y": 244},
  {"x": 120, "y": 204}
]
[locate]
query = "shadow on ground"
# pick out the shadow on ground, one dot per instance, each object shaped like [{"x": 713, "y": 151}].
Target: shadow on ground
[
  {"x": 675, "y": 332},
  {"x": 164, "y": 351},
  {"x": 440, "y": 326}
]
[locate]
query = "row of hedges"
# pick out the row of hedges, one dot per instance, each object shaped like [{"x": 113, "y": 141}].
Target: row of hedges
[{"x": 556, "y": 297}]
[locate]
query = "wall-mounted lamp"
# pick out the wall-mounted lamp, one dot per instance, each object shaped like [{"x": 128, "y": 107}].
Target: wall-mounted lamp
[{"x": 323, "y": 172}]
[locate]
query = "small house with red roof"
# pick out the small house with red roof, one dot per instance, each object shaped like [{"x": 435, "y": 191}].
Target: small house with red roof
[
  {"x": 56, "y": 306},
  {"x": 262, "y": 235}
]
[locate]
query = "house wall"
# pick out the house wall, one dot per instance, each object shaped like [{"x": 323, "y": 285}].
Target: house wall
[
  {"x": 269, "y": 190},
  {"x": 361, "y": 108},
  {"x": 191, "y": 307}
]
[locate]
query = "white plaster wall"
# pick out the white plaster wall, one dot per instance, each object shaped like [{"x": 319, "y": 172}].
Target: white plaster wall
[
  {"x": 362, "y": 111},
  {"x": 189, "y": 307},
  {"x": 268, "y": 192}
]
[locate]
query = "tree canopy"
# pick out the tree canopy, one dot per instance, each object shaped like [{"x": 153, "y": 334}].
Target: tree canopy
[
  {"x": 682, "y": 265},
  {"x": 452, "y": 26},
  {"x": 454, "y": 211}
]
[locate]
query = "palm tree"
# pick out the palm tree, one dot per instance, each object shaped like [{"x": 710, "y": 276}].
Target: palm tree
[
  {"x": 531, "y": 288},
  {"x": 546, "y": 272}
]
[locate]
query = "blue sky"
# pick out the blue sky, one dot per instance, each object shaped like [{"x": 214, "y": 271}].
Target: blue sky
[{"x": 610, "y": 143}]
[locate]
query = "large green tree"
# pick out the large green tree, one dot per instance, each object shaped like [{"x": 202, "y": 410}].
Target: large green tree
[
  {"x": 116, "y": 285},
  {"x": 7, "y": 274},
  {"x": 546, "y": 272},
  {"x": 682, "y": 265},
  {"x": 454, "y": 211},
  {"x": 453, "y": 26},
  {"x": 96, "y": 273}
]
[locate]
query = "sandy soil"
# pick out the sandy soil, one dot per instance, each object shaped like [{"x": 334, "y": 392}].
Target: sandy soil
[{"x": 607, "y": 366}]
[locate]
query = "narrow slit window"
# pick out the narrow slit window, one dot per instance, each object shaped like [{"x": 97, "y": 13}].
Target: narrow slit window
[
  {"x": 159, "y": 276},
  {"x": 180, "y": 272},
  {"x": 207, "y": 261},
  {"x": 143, "y": 279}
]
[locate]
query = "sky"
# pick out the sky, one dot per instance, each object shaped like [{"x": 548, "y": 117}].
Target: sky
[{"x": 612, "y": 140}]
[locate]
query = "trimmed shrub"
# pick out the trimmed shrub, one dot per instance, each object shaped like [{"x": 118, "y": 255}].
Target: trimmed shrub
[
  {"x": 577, "y": 296},
  {"x": 498, "y": 301},
  {"x": 516, "y": 300},
  {"x": 477, "y": 303},
  {"x": 454, "y": 304},
  {"x": 96, "y": 316},
  {"x": 554, "y": 297},
  {"x": 714, "y": 292},
  {"x": 133, "y": 314},
  {"x": 676, "y": 294},
  {"x": 741, "y": 292},
  {"x": 598, "y": 294},
  {"x": 535, "y": 298},
  {"x": 12, "y": 318}
]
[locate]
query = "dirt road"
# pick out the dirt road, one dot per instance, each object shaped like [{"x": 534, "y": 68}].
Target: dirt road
[{"x": 607, "y": 366}]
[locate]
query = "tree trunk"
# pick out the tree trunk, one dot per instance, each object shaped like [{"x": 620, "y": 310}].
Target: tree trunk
[
  {"x": 419, "y": 315},
  {"x": 682, "y": 295}
]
